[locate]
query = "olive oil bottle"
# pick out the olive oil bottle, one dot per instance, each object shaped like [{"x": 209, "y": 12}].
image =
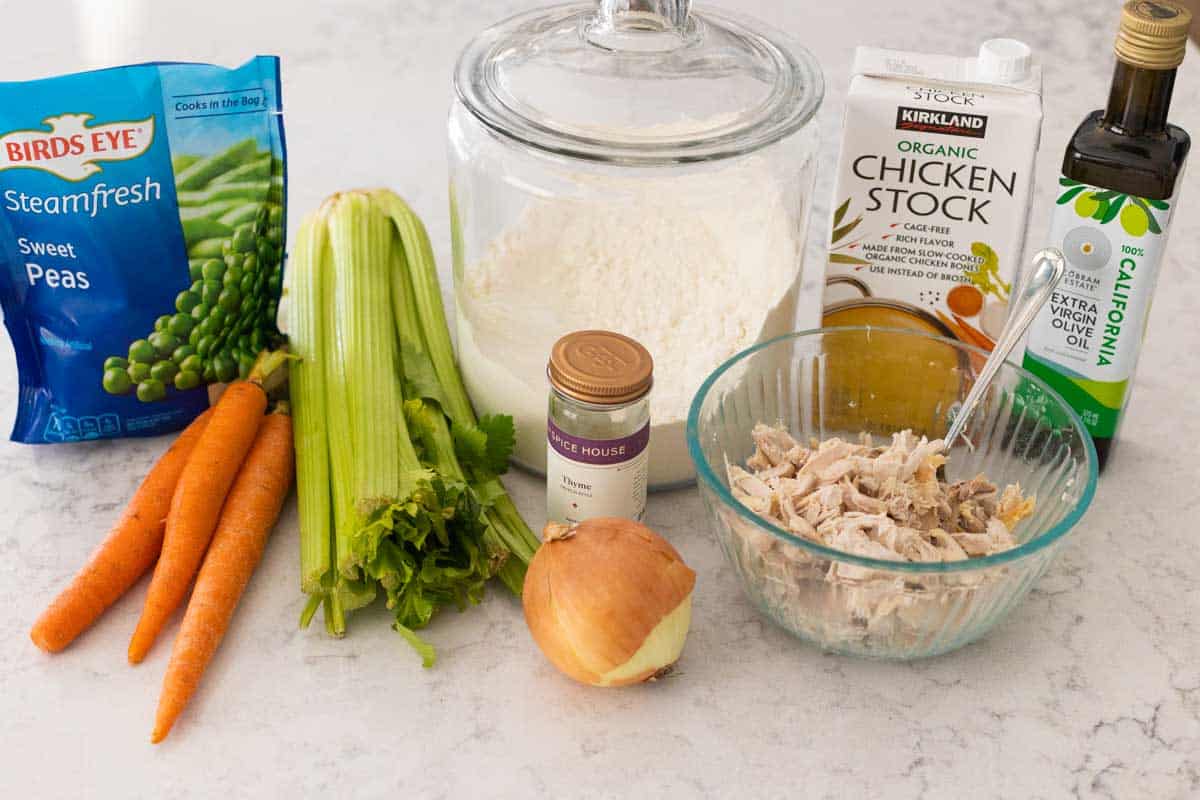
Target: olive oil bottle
[{"x": 1115, "y": 201}]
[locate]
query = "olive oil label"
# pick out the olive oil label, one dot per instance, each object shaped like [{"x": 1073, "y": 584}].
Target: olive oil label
[
  {"x": 596, "y": 477},
  {"x": 932, "y": 195},
  {"x": 1086, "y": 340}
]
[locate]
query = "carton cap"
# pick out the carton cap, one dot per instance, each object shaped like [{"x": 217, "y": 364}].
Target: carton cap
[{"x": 1004, "y": 61}]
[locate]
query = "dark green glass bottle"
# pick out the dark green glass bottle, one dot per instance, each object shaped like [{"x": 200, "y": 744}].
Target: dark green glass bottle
[{"x": 1116, "y": 196}]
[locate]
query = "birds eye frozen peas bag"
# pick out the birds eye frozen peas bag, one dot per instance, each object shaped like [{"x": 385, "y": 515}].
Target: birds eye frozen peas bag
[{"x": 141, "y": 241}]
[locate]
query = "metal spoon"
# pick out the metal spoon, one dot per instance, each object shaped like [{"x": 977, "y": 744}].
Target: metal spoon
[{"x": 1048, "y": 269}]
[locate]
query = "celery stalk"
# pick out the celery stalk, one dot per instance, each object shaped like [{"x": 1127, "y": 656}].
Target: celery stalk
[
  {"x": 421, "y": 386},
  {"x": 415, "y": 349},
  {"x": 388, "y": 503},
  {"x": 502, "y": 514},
  {"x": 427, "y": 295},
  {"x": 307, "y": 390},
  {"x": 370, "y": 386},
  {"x": 375, "y": 463},
  {"x": 341, "y": 449},
  {"x": 416, "y": 533}
]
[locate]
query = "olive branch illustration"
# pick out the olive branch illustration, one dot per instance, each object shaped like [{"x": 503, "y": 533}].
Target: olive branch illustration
[{"x": 1108, "y": 204}]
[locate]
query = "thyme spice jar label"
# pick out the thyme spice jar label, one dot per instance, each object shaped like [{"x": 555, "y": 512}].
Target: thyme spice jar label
[{"x": 588, "y": 478}]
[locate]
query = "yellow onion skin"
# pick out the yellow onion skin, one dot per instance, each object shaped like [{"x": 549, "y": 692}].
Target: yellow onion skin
[{"x": 596, "y": 590}]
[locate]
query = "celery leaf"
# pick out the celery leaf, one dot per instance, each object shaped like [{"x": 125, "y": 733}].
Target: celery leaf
[
  {"x": 501, "y": 439},
  {"x": 428, "y": 552},
  {"x": 484, "y": 449},
  {"x": 419, "y": 375},
  {"x": 471, "y": 446}
]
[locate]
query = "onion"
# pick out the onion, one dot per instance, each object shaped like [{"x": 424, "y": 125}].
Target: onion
[{"x": 608, "y": 601}]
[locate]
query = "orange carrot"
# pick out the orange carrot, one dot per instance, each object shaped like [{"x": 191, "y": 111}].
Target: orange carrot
[
  {"x": 959, "y": 333},
  {"x": 965, "y": 332},
  {"x": 250, "y": 512},
  {"x": 981, "y": 338},
  {"x": 965, "y": 336},
  {"x": 130, "y": 549},
  {"x": 196, "y": 505}
]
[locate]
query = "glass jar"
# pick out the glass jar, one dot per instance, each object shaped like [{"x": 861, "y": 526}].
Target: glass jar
[
  {"x": 632, "y": 166},
  {"x": 598, "y": 427}
]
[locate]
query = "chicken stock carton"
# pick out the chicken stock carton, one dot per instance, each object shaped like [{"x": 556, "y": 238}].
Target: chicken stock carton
[{"x": 932, "y": 190}]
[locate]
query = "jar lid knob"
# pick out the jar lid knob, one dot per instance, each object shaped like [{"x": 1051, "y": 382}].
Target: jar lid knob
[{"x": 641, "y": 25}]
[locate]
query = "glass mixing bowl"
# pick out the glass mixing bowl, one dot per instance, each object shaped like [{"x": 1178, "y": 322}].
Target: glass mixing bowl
[{"x": 841, "y": 382}]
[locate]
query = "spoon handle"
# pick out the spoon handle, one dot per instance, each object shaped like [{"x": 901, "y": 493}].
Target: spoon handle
[{"x": 1048, "y": 269}]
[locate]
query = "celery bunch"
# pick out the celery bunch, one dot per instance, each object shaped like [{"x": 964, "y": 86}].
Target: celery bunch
[{"x": 398, "y": 481}]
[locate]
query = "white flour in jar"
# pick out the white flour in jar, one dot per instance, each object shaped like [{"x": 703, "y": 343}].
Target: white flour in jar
[{"x": 695, "y": 268}]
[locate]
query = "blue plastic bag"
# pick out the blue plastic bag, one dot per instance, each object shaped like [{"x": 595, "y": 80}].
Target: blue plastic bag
[{"x": 142, "y": 219}]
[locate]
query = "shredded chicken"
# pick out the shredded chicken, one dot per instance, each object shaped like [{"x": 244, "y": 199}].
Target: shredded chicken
[
  {"x": 886, "y": 501},
  {"x": 881, "y": 501}
]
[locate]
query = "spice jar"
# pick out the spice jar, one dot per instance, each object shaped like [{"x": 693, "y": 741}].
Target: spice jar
[{"x": 598, "y": 427}]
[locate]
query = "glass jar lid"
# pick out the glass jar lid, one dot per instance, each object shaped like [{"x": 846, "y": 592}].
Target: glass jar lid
[{"x": 640, "y": 82}]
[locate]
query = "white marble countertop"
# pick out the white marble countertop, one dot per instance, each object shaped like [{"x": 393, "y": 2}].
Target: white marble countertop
[{"x": 1090, "y": 689}]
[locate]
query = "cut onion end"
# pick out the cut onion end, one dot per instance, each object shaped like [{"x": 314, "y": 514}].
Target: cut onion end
[{"x": 658, "y": 654}]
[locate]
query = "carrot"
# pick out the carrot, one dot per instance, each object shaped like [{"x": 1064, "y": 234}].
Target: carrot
[
  {"x": 250, "y": 513},
  {"x": 965, "y": 332},
  {"x": 131, "y": 547},
  {"x": 977, "y": 361},
  {"x": 196, "y": 505},
  {"x": 959, "y": 333},
  {"x": 981, "y": 338}
]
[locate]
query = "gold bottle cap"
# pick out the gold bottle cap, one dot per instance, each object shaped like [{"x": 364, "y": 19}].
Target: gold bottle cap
[
  {"x": 600, "y": 367},
  {"x": 1153, "y": 34}
]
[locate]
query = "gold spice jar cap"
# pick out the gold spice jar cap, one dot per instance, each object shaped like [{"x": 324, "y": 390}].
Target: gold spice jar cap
[
  {"x": 600, "y": 367},
  {"x": 1153, "y": 34}
]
